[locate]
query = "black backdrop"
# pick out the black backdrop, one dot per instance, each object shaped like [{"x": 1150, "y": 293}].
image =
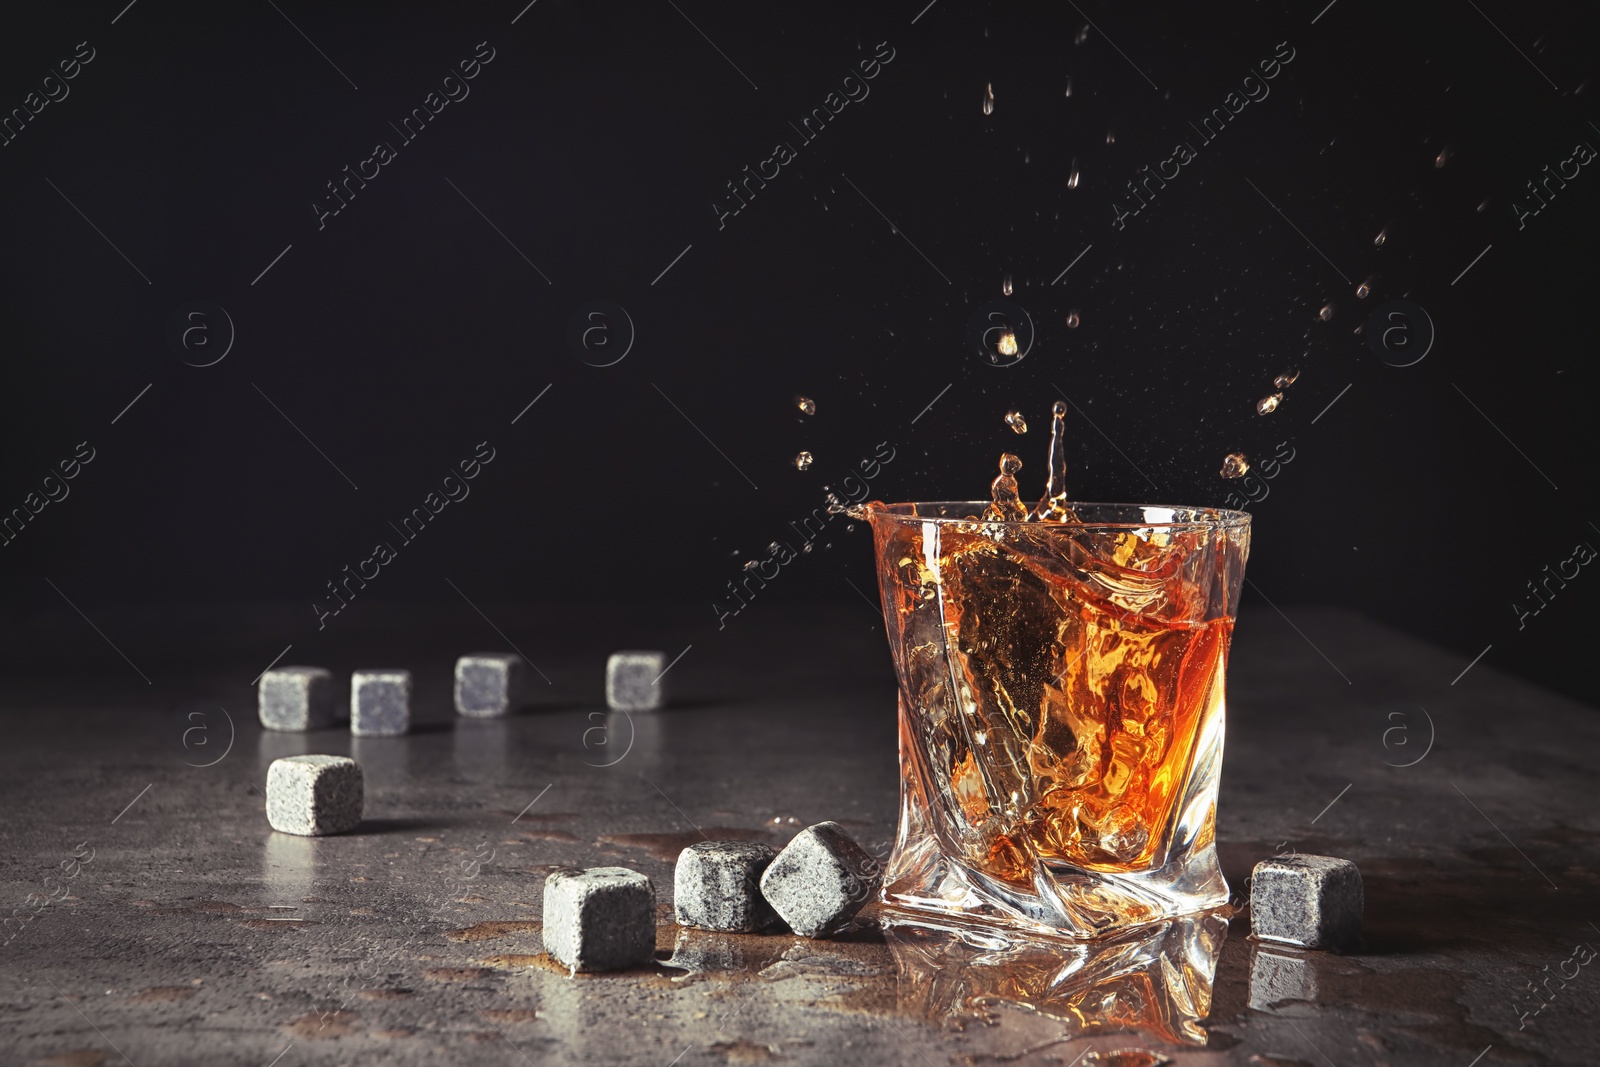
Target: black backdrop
[{"x": 584, "y": 161}]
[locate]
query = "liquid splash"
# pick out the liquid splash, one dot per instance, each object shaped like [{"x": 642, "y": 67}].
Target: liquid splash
[
  {"x": 1005, "y": 284},
  {"x": 802, "y": 462},
  {"x": 1383, "y": 235},
  {"x": 1286, "y": 379},
  {"x": 1073, "y": 320},
  {"x": 1054, "y": 505},
  {"x": 1234, "y": 465},
  {"x": 1268, "y": 404},
  {"x": 806, "y": 405},
  {"x": 1007, "y": 345},
  {"x": 1364, "y": 290},
  {"x": 1006, "y": 506},
  {"x": 1015, "y": 420},
  {"x": 988, "y": 99}
]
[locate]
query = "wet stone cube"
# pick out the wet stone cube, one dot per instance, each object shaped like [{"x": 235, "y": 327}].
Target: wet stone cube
[
  {"x": 380, "y": 703},
  {"x": 1311, "y": 901},
  {"x": 820, "y": 880},
  {"x": 633, "y": 680},
  {"x": 295, "y": 698},
  {"x": 600, "y": 919},
  {"x": 314, "y": 795},
  {"x": 717, "y": 886},
  {"x": 489, "y": 685}
]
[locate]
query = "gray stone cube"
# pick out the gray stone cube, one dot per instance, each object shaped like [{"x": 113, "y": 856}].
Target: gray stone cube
[
  {"x": 295, "y": 698},
  {"x": 489, "y": 685},
  {"x": 633, "y": 680},
  {"x": 717, "y": 886},
  {"x": 1311, "y": 901},
  {"x": 820, "y": 880},
  {"x": 314, "y": 795},
  {"x": 380, "y": 703},
  {"x": 600, "y": 919}
]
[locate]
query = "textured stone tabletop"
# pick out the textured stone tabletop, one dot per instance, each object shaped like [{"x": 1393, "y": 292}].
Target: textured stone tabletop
[{"x": 177, "y": 928}]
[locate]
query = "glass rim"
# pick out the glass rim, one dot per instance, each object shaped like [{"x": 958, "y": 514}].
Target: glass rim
[{"x": 1208, "y": 517}]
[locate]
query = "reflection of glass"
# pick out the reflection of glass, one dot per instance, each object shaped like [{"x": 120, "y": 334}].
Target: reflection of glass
[
  {"x": 1061, "y": 709},
  {"x": 288, "y": 868},
  {"x": 1155, "y": 979}
]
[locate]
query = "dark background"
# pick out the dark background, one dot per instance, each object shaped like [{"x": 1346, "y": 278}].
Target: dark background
[{"x": 408, "y": 330}]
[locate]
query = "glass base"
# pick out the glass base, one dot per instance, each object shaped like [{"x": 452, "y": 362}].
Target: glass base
[{"x": 925, "y": 876}]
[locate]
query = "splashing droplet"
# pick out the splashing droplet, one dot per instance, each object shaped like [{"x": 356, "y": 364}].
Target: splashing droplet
[
  {"x": 1015, "y": 420},
  {"x": 772, "y": 548},
  {"x": 1074, "y": 177},
  {"x": 1003, "y": 491},
  {"x": 1268, "y": 404},
  {"x": 1383, "y": 235},
  {"x": 1083, "y": 35},
  {"x": 1234, "y": 465},
  {"x": 1069, "y": 86},
  {"x": 1007, "y": 343},
  {"x": 1483, "y": 207},
  {"x": 1073, "y": 320},
  {"x": 1286, "y": 379},
  {"x": 802, "y": 462},
  {"x": 750, "y": 564},
  {"x": 805, "y": 549},
  {"x": 1111, "y": 136},
  {"x": 1364, "y": 290},
  {"x": 988, "y": 99},
  {"x": 1326, "y": 313},
  {"x": 1005, "y": 284},
  {"x": 1442, "y": 158},
  {"x": 806, "y": 405}
]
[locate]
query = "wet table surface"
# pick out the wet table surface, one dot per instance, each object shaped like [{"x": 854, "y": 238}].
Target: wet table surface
[{"x": 154, "y": 918}]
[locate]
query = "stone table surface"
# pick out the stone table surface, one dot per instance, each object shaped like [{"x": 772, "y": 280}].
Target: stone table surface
[{"x": 154, "y": 918}]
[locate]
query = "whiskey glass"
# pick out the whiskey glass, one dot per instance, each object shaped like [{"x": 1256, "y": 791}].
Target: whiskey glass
[{"x": 1061, "y": 692}]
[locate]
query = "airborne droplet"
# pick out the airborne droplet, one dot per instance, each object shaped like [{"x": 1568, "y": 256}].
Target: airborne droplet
[
  {"x": 802, "y": 462},
  {"x": 1008, "y": 343},
  {"x": 1073, "y": 320},
  {"x": 750, "y": 564},
  {"x": 1234, "y": 465},
  {"x": 1442, "y": 158},
  {"x": 988, "y": 99},
  {"x": 1326, "y": 313},
  {"x": 1083, "y": 35},
  {"x": 1286, "y": 379},
  {"x": 1111, "y": 136},
  {"x": 1005, "y": 284},
  {"x": 1383, "y": 235},
  {"x": 1069, "y": 86},
  {"x": 1074, "y": 177},
  {"x": 1364, "y": 290},
  {"x": 1268, "y": 404},
  {"x": 806, "y": 405},
  {"x": 1015, "y": 420}
]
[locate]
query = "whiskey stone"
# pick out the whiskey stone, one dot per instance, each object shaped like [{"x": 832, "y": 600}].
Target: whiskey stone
[
  {"x": 600, "y": 919},
  {"x": 820, "y": 880},
  {"x": 717, "y": 886},
  {"x": 314, "y": 795},
  {"x": 380, "y": 703},
  {"x": 488, "y": 685},
  {"x": 633, "y": 680},
  {"x": 1311, "y": 901},
  {"x": 295, "y": 698}
]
